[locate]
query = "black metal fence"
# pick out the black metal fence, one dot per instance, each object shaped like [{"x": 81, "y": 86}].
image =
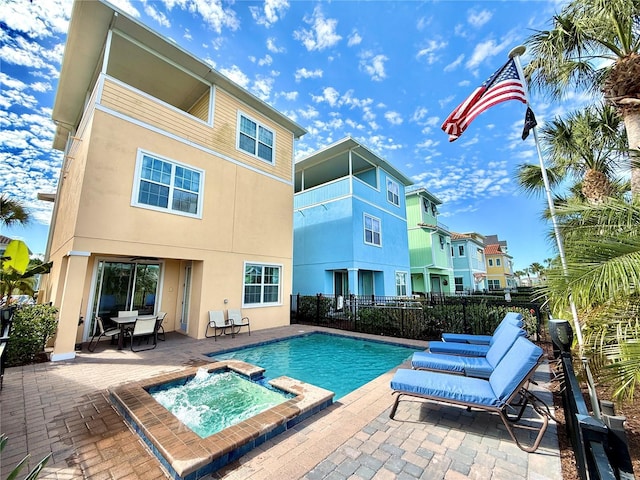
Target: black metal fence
[
  {"x": 600, "y": 444},
  {"x": 415, "y": 318}
]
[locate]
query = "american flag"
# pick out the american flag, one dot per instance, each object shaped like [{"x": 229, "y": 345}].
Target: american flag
[{"x": 503, "y": 85}]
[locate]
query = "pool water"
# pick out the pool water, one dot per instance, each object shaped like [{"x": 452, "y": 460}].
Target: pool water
[
  {"x": 211, "y": 402},
  {"x": 337, "y": 363}
]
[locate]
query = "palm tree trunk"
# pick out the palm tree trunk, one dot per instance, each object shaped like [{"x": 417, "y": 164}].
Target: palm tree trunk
[{"x": 632, "y": 124}]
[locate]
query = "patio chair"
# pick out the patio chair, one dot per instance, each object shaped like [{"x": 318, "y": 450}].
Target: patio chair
[
  {"x": 101, "y": 332},
  {"x": 238, "y": 321},
  {"x": 505, "y": 389},
  {"x": 481, "y": 367},
  {"x": 511, "y": 318},
  {"x": 159, "y": 326},
  {"x": 217, "y": 324},
  {"x": 468, "y": 349},
  {"x": 143, "y": 328}
]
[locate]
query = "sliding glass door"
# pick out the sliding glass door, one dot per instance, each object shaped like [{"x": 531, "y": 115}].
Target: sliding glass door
[{"x": 125, "y": 286}]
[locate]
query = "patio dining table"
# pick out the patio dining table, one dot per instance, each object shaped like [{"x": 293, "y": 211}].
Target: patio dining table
[{"x": 122, "y": 322}]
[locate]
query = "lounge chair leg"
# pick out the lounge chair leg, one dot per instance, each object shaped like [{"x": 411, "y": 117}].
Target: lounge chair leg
[
  {"x": 392, "y": 413},
  {"x": 510, "y": 421}
]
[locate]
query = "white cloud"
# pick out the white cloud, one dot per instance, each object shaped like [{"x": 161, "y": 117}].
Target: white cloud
[
  {"x": 272, "y": 47},
  {"x": 37, "y": 20},
  {"x": 304, "y": 73},
  {"x": 273, "y": 11},
  {"x": 237, "y": 75},
  {"x": 127, "y": 7},
  {"x": 354, "y": 39},
  {"x": 478, "y": 19},
  {"x": 214, "y": 14},
  {"x": 373, "y": 65},
  {"x": 394, "y": 118},
  {"x": 322, "y": 33},
  {"x": 159, "y": 17},
  {"x": 455, "y": 64},
  {"x": 483, "y": 51},
  {"x": 291, "y": 96},
  {"x": 267, "y": 60},
  {"x": 329, "y": 95},
  {"x": 430, "y": 51}
]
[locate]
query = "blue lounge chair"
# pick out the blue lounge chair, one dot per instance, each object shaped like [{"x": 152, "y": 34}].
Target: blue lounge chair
[
  {"x": 468, "y": 349},
  {"x": 481, "y": 367},
  {"x": 511, "y": 318},
  {"x": 505, "y": 388}
]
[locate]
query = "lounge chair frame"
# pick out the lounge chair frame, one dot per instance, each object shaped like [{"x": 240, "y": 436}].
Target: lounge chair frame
[{"x": 519, "y": 399}]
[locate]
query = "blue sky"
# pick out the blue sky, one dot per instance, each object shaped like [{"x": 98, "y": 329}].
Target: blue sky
[{"x": 385, "y": 73}]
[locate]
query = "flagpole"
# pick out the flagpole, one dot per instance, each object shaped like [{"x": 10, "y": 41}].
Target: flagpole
[{"x": 515, "y": 55}]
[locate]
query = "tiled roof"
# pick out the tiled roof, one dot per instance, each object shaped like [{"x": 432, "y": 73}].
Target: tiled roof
[
  {"x": 493, "y": 249},
  {"x": 5, "y": 240}
]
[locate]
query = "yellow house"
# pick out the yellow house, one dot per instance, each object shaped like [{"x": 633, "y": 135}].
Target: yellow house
[
  {"x": 176, "y": 190},
  {"x": 499, "y": 267}
]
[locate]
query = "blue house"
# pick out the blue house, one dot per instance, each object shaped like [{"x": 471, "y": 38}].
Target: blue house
[
  {"x": 469, "y": 267},
  {"x": 350, "y": 227}
]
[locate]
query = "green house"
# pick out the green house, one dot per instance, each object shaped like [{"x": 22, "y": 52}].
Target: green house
[{"x": 429, "y": 245}]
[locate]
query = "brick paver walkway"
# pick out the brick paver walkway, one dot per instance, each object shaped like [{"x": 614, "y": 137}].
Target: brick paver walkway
[{"x": 62, "y": 408}]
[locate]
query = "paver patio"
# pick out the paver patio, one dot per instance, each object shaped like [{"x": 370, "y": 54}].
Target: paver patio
[{"x": 63, "y": 408}]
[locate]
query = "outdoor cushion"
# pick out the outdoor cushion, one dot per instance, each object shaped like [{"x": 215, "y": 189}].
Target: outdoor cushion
[
  {"x": 467, "y": 365},
  {"x": 508, "y": 374},
  {"x": 512, "y": 318},
  {"x": 505, "y": 334},
  {"x": 508, "y": 381}
]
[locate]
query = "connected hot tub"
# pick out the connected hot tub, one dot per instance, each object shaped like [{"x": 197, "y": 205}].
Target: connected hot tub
[{"x": 261, "y": 411}]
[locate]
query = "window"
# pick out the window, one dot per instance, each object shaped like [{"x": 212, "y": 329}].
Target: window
[
  {"x": 165, "y": 185},
  {"x": 261, "y": 284},
  {"x": 461, "y": 250},
  {"x": 441, "y": 242},
  {"x": 401, "y": 284},
  {"x": 372, "y": 234},
  {"x": 459, "y": 284},
  {"x": 425, "y": 205},
  {"x": 494, "y": 284},
  {"x": 490, "y": 262},
  {"x": 393, "y": 192},
  {"x": 479, "y": 254},
  {"x": 255, "y": 139},
  {"x": 497, "y": 262}
]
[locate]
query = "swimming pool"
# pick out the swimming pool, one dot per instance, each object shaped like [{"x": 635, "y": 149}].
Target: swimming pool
[{"x": 333, "y": 362}]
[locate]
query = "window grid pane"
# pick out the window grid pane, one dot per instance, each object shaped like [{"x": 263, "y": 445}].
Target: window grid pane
[
  {"x": 153, "y": 194},
  {"x": 169, "y": 186},
  {"x": 261, "y": 284},
  {"x": 255, "y": 139}
]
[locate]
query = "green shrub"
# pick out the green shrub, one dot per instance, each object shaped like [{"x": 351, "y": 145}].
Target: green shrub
[{"x": 31, "y": 329}]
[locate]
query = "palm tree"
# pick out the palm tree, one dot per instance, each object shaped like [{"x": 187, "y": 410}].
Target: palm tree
[
  {"x": 594, "y": 45},
  {"x": 586, "y": 147},
  {"x": 602, "y": 249},
  {"x": 12, "y": 211}
]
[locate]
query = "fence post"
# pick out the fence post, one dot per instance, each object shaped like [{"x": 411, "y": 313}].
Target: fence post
[{"x": 618, "y": 444}]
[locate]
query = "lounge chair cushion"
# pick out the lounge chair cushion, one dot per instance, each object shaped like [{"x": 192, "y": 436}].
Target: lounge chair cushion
[
  {"x": 504, "y": 338},
  {"x": 510, "y": 372},
  {"x": 467, "y": 390},
  {"x": 466, "y": 365},
  {"x": 513, "y": 367},
  {"x": 512, "y": 318},
  {"x": 470, "y": 366}
]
